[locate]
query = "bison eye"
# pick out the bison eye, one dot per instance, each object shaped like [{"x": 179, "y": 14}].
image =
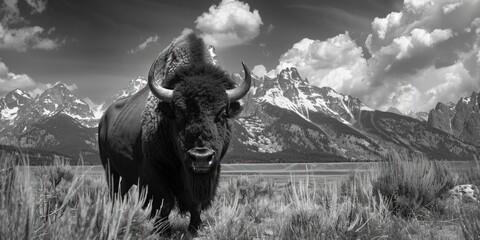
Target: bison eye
[{"x": 221, "y": 115}]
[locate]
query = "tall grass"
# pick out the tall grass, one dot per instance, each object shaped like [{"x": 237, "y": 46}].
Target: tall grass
[
  {"x": 399, "y": 199},
  {"x": 59, "y": 205},
  {"x": 16, "y": 202}
]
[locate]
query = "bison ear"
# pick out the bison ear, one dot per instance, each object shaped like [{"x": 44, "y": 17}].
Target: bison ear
[
  {"x": 166, "y": 109},
  {"x": 234, "y": 109}
]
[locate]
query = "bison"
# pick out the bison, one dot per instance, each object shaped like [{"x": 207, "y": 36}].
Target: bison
[{"x": 171, "y": 137}]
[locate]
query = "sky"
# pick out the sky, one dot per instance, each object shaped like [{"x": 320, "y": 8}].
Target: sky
[{"x": 407, "y": 54}]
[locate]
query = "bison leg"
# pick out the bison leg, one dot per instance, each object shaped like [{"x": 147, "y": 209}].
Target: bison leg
[
  {"x": 161, "y": 208},
  {"x": 162, "y": 203},
  {"x": 195, "y": 220},
  {"x": 115, "y": 183}
]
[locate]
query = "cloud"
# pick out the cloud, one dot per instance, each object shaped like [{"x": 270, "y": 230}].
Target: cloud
[
  {"x": 186, "y": 31},
  {"x": 406, "y": 46},
  {"x": 336, "y": 62},
  {"x": 261, "y": 71},
  {"x": 270, "y": 29},
  {"x": 425, "y": 53},
  {"x": 10, "y": 81},
  {"x": 229, "y": 24},
  {"x": 10, "y": 12},
  {"x": 38, "y": 5},
  {"x": 150, "y": 40},
  {"x": 428, "y": 47},
  {"x": 23, "y": 38}
]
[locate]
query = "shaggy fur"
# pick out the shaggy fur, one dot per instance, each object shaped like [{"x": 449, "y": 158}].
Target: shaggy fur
[{"x": 199, "y": 115}]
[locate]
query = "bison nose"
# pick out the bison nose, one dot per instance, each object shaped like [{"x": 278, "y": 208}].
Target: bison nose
[{"x": 202, "y": 159}]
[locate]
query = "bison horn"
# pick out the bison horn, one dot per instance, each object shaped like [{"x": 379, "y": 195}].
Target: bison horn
[
  {"x": 240, "y": 91},
  {"x": 157, "y": 90}
]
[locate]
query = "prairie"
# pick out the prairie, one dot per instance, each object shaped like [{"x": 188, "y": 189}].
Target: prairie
[{"x": 403, "y": 197}]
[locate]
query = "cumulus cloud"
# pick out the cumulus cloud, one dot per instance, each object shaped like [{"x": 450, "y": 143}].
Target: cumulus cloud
[
  {"x": 336, "y": 62},
  {"x": 229, "y": 24},
  {"x": 429, "y": 47},
  {"x": 150, "y": 40},
  {"x": 23, "y": 38},
  {"x": 261, "y": 71},
  {"x": 425, "y": 53},
  {"x": 10, "y": 81}
]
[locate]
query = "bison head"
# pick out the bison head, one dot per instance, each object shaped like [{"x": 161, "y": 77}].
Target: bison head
[{"x": 199, "y": 101}]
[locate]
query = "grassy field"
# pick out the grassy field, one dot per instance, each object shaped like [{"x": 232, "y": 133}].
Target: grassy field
[{"x": 402, "y": 198}]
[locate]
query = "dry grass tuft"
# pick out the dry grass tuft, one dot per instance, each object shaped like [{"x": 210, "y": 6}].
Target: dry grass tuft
[{"x": 59, "y": 205}]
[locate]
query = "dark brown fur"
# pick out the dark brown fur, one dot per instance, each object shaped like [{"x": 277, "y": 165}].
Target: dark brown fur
[{"x": 152, "y": 147}]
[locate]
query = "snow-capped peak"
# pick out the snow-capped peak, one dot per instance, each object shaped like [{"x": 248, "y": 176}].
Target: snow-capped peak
[
  {"x": 22, "y": 93},
  {"x": 288, "y": 90},
  {"x": 10, "y": 104},
  {"x": 451, "y": 105},
  {"x": 131, "y": 88},
  {"x": 291, "y": 73}
]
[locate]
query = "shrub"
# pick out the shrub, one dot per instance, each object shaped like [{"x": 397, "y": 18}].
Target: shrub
[{"x": 413, "y": 186}]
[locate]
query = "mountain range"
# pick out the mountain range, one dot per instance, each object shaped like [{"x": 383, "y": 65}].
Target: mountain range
[{"x": 285, "y": 119}]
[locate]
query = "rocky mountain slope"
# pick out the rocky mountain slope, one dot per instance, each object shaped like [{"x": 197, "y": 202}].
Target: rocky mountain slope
[
  {"x": 421, "y": 116},
  {"x": 60, "y": 133},
  {"x": 9, "y": 106},
  {"x": 54, "y": 120},
  {"x": 286, "y": 116},
  {"x": 285, "y": 119},
  {"x": 461, "y": 120}
]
